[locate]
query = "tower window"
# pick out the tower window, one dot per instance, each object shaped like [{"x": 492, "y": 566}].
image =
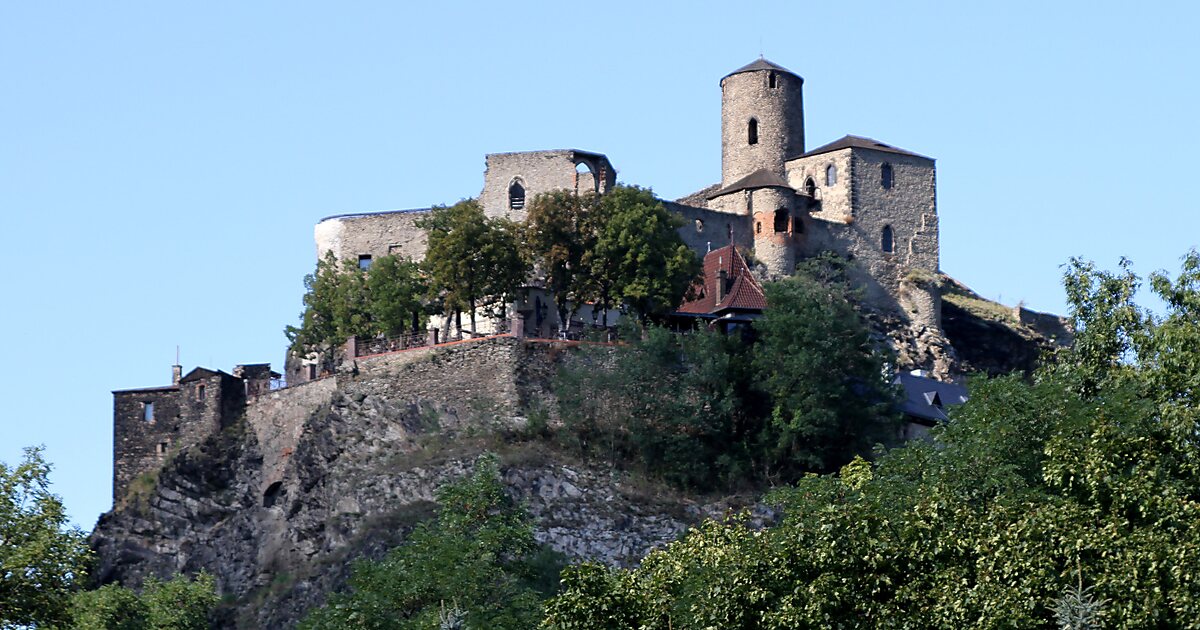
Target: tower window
[
  {"x": 771, "y": 79},
  {"x": 781, "y": 220},
  {"x": 364, "y": 261},
  {"x": 200, "y": 392},
  {"x": 516, "y": 196},
  {"x": 830, "y": 175},
  {"x": 148, "y": 411},
  {"x": 752, "y": 134},
  {"x": 885, "y": 176},
  {"x": 887, "y": 241}
]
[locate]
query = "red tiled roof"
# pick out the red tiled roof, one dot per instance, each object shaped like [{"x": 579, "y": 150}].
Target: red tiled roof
[{"x": 744, "y": 292}]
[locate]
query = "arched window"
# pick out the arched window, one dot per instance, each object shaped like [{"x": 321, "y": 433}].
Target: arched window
[
  {"x": 781, "y": 220},
  {"x": 797, "y": 225},
  {"x": 887, "y": 241},
  {"x": 885, "y": 176},
  {"x": 585, "y": 180},
  {"x": 752, "y": 132},
  {"x": 516, "y": 195},
  {"x": 771, "y": 79},
  {"x": 830, "y": 175},
  {"x": 810, "y": 188}
]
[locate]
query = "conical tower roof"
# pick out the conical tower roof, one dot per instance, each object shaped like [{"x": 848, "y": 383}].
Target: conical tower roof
[{"x": 761, "y": 64}]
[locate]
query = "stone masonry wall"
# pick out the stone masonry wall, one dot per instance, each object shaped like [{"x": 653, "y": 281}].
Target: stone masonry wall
[
  {"x": 138, "y": 445},
  {"x": 833, "y": 202},
  {"x": 277, "y": 419},
  {"x": 780, "y": 115},
  {"x": 704, "y": 228},
  {"x": 376, "y": 235},
  {"x": 540, "y": 172}
]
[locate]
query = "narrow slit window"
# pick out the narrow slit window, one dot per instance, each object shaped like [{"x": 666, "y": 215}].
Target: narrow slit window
[
  {"x": 885, "y": 176},
  {"x": 752, "y": 132},
  {"x": 148, "y": 411},
  {"x": 771, "y": 80},
  {"x": 887, "y": 242},
  {"x": 516, "y": 196},
  {"x": 200, "y": 392}
]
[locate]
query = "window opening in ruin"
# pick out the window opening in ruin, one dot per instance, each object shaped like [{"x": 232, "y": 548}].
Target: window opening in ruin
[
  {"x": 885, "y": 176},
  {"x": 585, "y": 179},
  {"x": 699, "y": 225},
  {"x": 830, "y": 175},
  {"x": 810, "y": 188},
  {"x": 364, "y": 261},
  {"x": 771, "y": 79},
  {"x": 200, "y": 392},
  {"x": 797, "y": 225},
  {"x": 516, "y": 196},
  {"x": 148, "y": 411},
  {"x": 781, "y": 220},
  {"x": 753, "y": 131},
  {"x": 887, "y": 241}
]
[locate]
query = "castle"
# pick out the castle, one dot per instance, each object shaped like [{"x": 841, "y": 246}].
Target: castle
[{"x": 868, "y": 201}]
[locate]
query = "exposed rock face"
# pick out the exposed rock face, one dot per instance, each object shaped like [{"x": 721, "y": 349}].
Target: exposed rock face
[{"x": 278, "y": 530}]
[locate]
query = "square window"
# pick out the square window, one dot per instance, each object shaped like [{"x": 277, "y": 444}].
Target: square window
[{"x": 364, "y": 261}]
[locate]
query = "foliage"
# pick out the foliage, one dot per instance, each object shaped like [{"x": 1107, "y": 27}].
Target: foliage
[
  {"x": 477, "y": 565},
  {"x": 560, "y": 233},
  {"x": 705, "y": 411},
  {"x": 177, "y": 604},
  {"x": 41, "y": 560},
  {"x": 343, "y": 300},
  {"x": 638, "y": 258},
  {"x": 1071, "y": 499},
  {"x": 829, "y": 391},
  {"x": 472, "y": 260}
]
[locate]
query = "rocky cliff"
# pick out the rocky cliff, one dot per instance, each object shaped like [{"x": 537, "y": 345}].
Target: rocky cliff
[{"x": 277, "y": 504}]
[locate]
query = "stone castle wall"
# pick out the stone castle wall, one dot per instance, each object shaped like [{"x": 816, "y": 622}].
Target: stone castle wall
[
  {"x": 376, "y": 235},
  {"x": 277, "y": 419},
  {"x": 541, "y": 172}
]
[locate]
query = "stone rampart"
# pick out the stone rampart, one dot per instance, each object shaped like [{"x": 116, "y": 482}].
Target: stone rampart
[{"x": 277, "y": 419}]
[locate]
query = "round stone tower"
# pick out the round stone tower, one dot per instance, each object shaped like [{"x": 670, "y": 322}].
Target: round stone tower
[{"x": 762, "y": 120}]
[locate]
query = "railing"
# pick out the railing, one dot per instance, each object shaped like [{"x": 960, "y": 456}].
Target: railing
[
  {"x": 381, "y": 345},
  {"x": 277, "y": 384}
]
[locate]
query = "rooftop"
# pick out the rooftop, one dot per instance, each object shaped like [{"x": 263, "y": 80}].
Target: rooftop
[
  {"x": 761, "y": 64},
  {"x": 762, "y": 178},
  {"x": 860, "y": 142},
  {"x": 744, "y": 291}
]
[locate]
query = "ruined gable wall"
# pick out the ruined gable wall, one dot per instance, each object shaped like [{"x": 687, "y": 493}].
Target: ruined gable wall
[{"x": 539, "y": 172}]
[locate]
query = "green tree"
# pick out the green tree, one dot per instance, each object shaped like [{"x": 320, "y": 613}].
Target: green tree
[
  {"x": 336, "y": 307},
  {"x": 477, "y": 564},
  {"x": 177, "y": 604},
  {"x": 473, "y": 261},
  {"x": 560, "y": 232},
  {"x": 396, "y": 290},
  {"x": 828, "y": 385},
  {"x": 1039, "y": 503},
  {"x": 41, "y": 559},
  {"x": 638, "y": 258}
]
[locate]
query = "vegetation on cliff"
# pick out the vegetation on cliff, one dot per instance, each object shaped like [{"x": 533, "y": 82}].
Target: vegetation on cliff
[{"x": 705, "y": 411}]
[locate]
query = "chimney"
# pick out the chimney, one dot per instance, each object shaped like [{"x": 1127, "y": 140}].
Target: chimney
[
  {"x": 722, "y": 279},
  {"x": 176, "y": 374}
]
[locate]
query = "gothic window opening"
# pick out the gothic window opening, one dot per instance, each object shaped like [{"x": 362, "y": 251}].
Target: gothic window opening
[
  {"x": 148, "y": 411},
  {"x": 887, "y": 241},
  {"x": 810, "y": 188},
  {"x": 781, "y": 220},
  {"x": 771, "y": 80},
  {"x": 830, "y": 175},
  {"x": 516, "y": 196},
  {"x": 753, "y": 131},
  {"x": 885, "y": 176}
]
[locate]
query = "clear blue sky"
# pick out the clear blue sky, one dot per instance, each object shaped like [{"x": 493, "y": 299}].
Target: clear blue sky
[{"x": 162, "y": 164}]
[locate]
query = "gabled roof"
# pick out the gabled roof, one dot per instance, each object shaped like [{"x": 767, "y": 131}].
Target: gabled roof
[
  {"x": 926, "y": 399},
  {"x": 860, "y": 142},
  {"x": 762, "y": 178},
  {"x": 744, "y": 294},
  {"x": 761, "y": 64},
  {"x": 201, "y": 373}
]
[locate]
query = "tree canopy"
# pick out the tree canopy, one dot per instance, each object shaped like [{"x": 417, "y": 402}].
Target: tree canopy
[{"x": 1068, "y": 499}]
